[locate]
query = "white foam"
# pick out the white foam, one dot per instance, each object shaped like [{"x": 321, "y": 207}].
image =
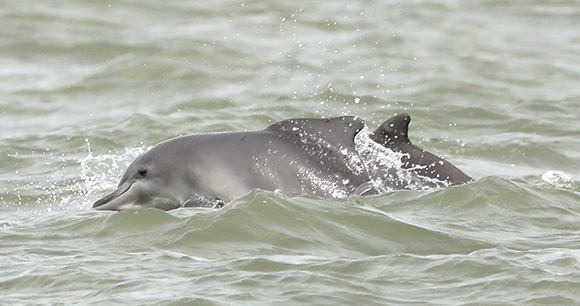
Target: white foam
[
  {"x": 559, "y": 179},
  {"x": 385, "y": 167},
  {"x": 103, "y": 172}
]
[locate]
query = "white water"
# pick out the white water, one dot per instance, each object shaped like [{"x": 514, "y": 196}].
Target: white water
[{"x": 385, "y": 167}]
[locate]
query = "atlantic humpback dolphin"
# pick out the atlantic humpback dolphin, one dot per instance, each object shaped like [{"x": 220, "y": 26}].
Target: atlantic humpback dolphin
[{"x": 304, "y": 156}]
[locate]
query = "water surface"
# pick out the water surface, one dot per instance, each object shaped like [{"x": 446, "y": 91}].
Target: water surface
[{"x": 492, "y": 85}]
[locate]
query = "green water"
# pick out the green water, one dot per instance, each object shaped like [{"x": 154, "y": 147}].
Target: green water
[{"x": 86, "y": 86}]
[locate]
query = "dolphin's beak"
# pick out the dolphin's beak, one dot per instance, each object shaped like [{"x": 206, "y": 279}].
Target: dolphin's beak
[{"x": 117, "y": 193}]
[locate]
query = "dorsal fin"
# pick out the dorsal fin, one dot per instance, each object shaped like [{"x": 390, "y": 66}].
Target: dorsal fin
[
  {"x": 338, "y": 131},
  {"x": 393, "y": 131}
]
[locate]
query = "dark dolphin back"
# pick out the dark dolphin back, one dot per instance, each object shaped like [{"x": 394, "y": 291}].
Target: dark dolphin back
[
  {"x": 394, "y": 134},
  {"x": 394, "y": 131}
]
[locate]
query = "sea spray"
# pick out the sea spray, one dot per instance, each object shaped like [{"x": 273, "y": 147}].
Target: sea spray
[{"x": 386, "y": 168}]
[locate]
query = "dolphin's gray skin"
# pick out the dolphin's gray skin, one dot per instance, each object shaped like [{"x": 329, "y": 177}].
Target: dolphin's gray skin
[
  {"x": 305, "y": 156},
  {"x": 393, "y": 134}
]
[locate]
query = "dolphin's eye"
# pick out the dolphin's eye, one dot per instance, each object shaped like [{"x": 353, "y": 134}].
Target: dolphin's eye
[{"x": 142, "y": 173}]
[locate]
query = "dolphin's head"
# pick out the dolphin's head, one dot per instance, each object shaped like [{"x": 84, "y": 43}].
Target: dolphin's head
[
  {"x": 159, "y": 178},
  {"x": 143, "y": 185}
]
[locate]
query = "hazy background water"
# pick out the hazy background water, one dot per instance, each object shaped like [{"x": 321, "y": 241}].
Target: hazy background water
[{"x": 85, "y": 86}]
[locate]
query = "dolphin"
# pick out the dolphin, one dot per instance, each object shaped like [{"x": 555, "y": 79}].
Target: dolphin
[
  {"x": 295, "y": 156},
  {"x": 393, "y": 134}
]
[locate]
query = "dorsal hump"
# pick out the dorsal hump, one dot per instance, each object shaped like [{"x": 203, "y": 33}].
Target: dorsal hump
[
  {"x": 338, "y": 131},
  {"x": 393, "y": 131}
]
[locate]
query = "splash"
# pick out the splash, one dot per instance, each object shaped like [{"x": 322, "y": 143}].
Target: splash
[
  {"x": 98, "y": 174},
  {"x": 103, "y": 172},
  {"x": 386, "y": 168},
  {"x": 560, "y": 179},
  {"x": 66, "y": 181}
]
